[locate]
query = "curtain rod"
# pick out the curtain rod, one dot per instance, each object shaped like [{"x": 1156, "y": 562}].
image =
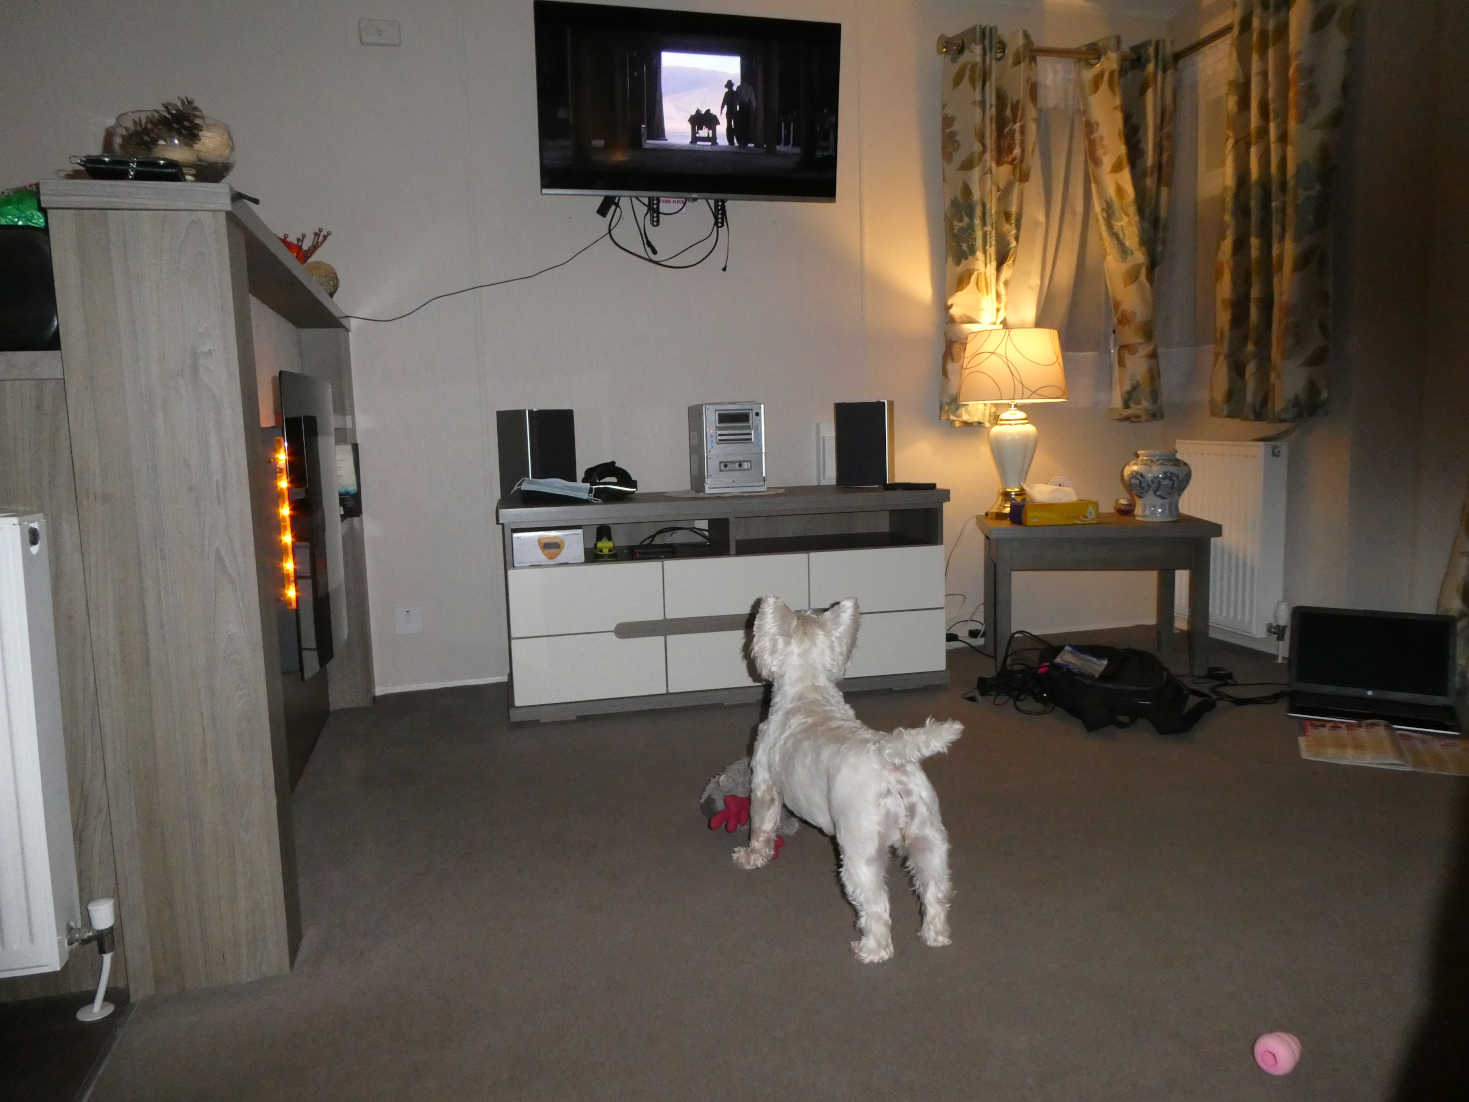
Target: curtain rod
[{"x": 953, "y": 44}]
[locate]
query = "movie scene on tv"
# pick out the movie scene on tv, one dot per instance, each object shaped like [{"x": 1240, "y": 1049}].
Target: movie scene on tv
[{"x": 663, "y": 109}]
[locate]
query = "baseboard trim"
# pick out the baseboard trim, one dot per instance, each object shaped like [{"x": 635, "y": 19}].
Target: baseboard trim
[{"x": 389, "y": 690}]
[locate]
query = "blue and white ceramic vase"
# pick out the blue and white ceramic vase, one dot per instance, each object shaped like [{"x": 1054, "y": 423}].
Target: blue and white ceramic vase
[{"x": 1156, "y": 480}]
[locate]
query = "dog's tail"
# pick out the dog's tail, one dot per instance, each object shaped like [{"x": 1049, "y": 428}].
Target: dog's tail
[{"x": 910, "y": 744}]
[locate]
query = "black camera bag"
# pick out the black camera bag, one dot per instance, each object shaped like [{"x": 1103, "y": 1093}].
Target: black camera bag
[{"x": 1134, "y": 685}]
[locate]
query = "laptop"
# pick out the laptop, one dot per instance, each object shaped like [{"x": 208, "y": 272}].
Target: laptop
[{"x": 1360, "y": 664}]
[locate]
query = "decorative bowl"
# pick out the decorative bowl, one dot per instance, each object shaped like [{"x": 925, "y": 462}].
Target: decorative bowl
[{"x": 207, "y": 158}]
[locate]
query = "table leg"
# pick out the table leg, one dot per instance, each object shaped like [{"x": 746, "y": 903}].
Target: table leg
[
  {"x": 1165, "y": 609},
  {"x": 996, "y": 599},
  {"x": 1198, "y": 606}
]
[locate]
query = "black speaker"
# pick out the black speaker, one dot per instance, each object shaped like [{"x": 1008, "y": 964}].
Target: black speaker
[
  {"x": 27, "y": 294},
  {"x": 864, "y": 443},
  {"x": 535, "y": 443}
]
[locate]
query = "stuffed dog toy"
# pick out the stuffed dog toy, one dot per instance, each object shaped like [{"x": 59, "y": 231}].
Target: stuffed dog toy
[{"x": 864, "y": 787}]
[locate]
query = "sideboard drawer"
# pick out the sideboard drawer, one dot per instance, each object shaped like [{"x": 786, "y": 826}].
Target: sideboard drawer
[
  {"x": 552, "y": 669},
  {"x": 898, "y": 642},
  {"x": 730, "y": 586},
  {"x": 882, "y": 579},
  {"x": 563, "y": 600},
  {"x": 708, "y": 660}
]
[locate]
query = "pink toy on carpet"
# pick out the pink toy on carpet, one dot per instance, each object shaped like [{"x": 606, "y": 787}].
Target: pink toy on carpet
[{"x": 1278, "y": 1053}]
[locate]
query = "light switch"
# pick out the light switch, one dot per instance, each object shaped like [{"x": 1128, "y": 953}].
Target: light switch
[{"x": 380, "y": 32}]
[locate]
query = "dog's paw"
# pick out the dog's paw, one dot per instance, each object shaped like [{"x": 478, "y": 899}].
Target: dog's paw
[
  {"x": 873, "y": 950},
  {"x": 747, "y": 857},
  {"x": 935, "y": 934}
]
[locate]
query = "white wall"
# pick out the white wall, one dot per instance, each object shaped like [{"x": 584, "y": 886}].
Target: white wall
[{"x": 421, "y": 160}]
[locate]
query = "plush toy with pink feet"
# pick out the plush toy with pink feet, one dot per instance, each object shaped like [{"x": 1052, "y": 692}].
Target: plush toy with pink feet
[{"x": 725, "y": 802}]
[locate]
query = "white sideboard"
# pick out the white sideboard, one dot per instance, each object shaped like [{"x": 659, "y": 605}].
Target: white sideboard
[{"x": 625, "y": 632}]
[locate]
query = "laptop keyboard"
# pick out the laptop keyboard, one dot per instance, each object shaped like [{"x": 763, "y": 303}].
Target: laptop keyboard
[{"x": 1397, "y": 713}]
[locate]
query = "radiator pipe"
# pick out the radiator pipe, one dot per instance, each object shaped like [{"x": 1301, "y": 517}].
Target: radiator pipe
[
  {"x": 102, "y": 915},
  {"x": 1279, "y": 627}
]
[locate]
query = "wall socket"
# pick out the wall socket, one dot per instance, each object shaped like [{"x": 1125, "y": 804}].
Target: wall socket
[
  {"x": 408, "y": 621},
  {"x": 379, "y": 32}
]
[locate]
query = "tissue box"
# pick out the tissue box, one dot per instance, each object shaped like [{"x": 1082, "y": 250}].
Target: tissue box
[{"x": 1033, "y": 513}]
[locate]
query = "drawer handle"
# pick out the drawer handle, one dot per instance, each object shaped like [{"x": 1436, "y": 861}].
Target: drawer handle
[{"x": 683, "y": 625}]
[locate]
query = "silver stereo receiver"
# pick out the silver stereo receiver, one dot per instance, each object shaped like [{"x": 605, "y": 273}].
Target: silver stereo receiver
[{"x": 727, "y": 447}]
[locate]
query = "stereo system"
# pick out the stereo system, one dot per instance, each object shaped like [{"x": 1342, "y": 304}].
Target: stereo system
[{"x": 727, "y": 447}]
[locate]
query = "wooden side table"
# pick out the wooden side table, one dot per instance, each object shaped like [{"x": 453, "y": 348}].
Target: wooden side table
[{"x": 1113, "y": 543}]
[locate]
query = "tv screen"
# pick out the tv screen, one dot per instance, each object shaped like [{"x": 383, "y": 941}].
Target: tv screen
[{"x": 676, "y": 104}]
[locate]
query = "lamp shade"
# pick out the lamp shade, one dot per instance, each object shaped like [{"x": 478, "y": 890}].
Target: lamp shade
[{"x": 1012, "y": 365}]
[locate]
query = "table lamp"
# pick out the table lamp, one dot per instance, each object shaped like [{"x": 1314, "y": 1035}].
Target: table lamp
[{"x": 1013, "y": 366}]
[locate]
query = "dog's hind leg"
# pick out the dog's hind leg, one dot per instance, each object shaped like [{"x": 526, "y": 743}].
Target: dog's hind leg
[
  {"x": 864, "y": 864},
  {"x": 927, "y": 847},
  {"x": 764, "y": 816}
]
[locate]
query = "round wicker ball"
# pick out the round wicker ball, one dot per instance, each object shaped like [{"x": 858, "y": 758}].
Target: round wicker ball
[{"x": 325, "y": 275}]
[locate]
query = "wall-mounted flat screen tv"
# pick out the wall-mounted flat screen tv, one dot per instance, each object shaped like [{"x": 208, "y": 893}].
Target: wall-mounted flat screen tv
[{"x": 648, "y": 101}]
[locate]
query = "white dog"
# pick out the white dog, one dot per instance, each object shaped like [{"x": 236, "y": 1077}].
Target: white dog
[{"x": 865, "y": 787}]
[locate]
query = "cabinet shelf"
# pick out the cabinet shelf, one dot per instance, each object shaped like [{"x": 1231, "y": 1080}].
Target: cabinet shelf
[{"x": 835, "y": 541}]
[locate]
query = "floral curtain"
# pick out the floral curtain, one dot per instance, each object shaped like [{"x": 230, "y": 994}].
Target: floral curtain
[
  {"x": 988, "y": 142},
  {"x": 1127, "y": 97},
  {"x": 1453, "y": 597},
  {"x": 1284, "y": 113}
]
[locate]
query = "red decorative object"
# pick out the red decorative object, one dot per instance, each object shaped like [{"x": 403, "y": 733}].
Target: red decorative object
[
  {"x": 302, "y": 251},
  {"x": 736, "y": 814}
]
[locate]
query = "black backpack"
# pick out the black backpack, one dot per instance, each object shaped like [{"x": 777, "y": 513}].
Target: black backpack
[{"x": 1133, "y": 685}]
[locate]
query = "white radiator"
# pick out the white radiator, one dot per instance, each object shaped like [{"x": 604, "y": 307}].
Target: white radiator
[
  {"x": 38, "y": 878},
  {"x": 1241, "y": 486}
]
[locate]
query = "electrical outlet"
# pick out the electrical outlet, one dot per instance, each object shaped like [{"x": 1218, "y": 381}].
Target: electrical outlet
[
  {"x": 408, "y": 621},
  {"x": 379, "y": 32}
]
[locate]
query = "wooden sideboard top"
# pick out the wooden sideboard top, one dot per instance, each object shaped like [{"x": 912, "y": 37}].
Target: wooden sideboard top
[{"x": 687, "y": 505}]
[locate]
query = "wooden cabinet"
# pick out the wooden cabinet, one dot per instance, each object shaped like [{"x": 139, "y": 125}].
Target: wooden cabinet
[
  {"x": 176, "y": 306},
  {"x": 619, "y": 635}
]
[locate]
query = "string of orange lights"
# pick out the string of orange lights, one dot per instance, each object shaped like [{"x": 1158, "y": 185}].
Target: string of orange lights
[{"x": 288, "y": 538}]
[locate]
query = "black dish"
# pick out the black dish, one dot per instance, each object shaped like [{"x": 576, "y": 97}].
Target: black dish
[{"x": 101, "y": 166}]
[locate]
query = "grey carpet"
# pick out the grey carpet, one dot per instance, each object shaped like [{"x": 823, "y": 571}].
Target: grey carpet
[{"x": 540, "y": 912}]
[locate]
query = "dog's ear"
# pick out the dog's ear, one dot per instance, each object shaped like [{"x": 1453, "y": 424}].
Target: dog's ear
[
  {"x": 842, "y": 620},
  {"x": 773, "y": 623}
]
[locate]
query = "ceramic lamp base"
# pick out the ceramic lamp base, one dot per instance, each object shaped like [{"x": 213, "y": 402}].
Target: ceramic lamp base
[
  {"x": 1012, "y": 444},
  {"x": 1000, "y": 510}
]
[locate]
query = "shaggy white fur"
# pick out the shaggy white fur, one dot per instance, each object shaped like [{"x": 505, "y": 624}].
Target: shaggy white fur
[{"x": 865, "y": 787}]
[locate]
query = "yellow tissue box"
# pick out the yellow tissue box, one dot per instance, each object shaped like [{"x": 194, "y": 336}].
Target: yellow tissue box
[{"x": 1058, "y": 512}]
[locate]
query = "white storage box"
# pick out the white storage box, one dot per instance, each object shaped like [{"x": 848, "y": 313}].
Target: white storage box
[{"x": 555, "y": 545}]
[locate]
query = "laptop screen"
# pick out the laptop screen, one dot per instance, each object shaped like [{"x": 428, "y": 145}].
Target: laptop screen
[{"x": 1382, "y": 655}]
